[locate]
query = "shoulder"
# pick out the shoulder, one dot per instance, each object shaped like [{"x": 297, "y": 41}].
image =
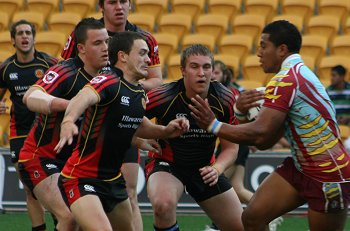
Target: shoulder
[
  {"x": 148, "y": 36},
  {"x": 167, "y": 90},
  {"x": 219, "y": 90},
  {"x": 7, "y": 62},
  {"x": 48, "y": 58}
]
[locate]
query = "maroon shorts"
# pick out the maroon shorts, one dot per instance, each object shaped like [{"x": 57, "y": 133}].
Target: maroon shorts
[
  {"x": 324, "y": 197},
  {"x": 33, "y": 171}
]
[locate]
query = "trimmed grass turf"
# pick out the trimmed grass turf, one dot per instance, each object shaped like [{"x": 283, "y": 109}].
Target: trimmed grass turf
[{"x": 19, "y": 221}]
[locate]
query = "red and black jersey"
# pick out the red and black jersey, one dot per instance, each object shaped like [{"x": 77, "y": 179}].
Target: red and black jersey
[
  {"x": 17, "y": 77},
  {"x": 107, "y": 129},
  {"x": 70, "y": 49},
  {"x": 64, "y": 80},
  {"x": 196, "y": 147}
]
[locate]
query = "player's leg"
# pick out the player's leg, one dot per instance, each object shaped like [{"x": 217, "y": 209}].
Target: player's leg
[
  {"x": 237, "y": 182},
  {"x": 130, "y": 170},
  {"x": 230, "y": 208},
  {"x": 274, "y": 197},
  {"x": 327, "y": 221},
  {"x": 164, "y": 191},
  {"x": 50, "y": 197},
  {"x": 121, "y": 217},
  {"x": 89, "y": 214}
]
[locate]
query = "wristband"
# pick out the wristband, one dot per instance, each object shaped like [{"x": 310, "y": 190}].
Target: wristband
[
  {"x": 214, "y": 126},
  {"x": 239, "y": 115}
]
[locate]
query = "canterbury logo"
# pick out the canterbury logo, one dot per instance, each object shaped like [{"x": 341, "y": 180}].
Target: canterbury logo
[
  {"x": 89, "y": 188},
  {"x": 125, "y": 100},
  {"x": 51, "y": 166}
]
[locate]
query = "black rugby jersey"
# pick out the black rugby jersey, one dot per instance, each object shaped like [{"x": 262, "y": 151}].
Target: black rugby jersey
[
  {"x": 70, "y": 49},
  {"x": 64, "y": 80},
  {"x": 17, "y": 78},
  {"x": 196, "y": 147},
  {"x": 107, "y": 128}
]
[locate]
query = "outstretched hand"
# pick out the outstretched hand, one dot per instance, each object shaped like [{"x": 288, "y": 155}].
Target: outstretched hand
[
  {"x": 201, "y": 112},
  {"x": 150, "y": 145},
  {"x": 68, "y": 131},
  {"x": 177, "y": 127},
  {"x": 249, "y": 99}
]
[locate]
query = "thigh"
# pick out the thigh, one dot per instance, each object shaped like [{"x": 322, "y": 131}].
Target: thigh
[
  {"x": 273, "y": 198},
  {"x": 89, "y": 213},
  {"x": 130, "y": 172},
  {"x": 121, "y": 216},
  {"x": 230, "y": 209},
  {"x": 327, "y": 221},
  {"x": 163, "y": 186}
]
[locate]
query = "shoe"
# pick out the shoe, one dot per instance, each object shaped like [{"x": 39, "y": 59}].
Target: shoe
[
  {"x": 276, "y": 222},
  {"x": 209, "y": 228}
]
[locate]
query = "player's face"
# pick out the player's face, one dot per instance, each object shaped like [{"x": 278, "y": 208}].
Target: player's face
[
  {"x": 217, "y": 75},
  {"x": 24, "y": 40},
  {"x": 138, "y": 60},
  {"x": 116, "y": 11},
  {"x": 269, "y": 54},
  {"x": 336, "y": 78},
  {"x": 197, "y": 75},
  {"x": 95, "y": 48}
]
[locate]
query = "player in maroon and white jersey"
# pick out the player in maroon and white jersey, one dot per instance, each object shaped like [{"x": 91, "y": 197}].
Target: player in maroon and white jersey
[
  {"x": 39, "y": 164},
  {"x": 114, "y": 103},
  {"x": 188, "y": 161},
  {"x": 17, "y": 74}
]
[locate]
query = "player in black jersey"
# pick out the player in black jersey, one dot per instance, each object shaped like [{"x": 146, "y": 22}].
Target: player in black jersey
[
  {"x": 115, "y": 14},
  {"x": 188, "y": 162},
  {"x": 39, "y": 164},
  {"x": 115, "y": 104},
  {"x": 17, "y": 74}
]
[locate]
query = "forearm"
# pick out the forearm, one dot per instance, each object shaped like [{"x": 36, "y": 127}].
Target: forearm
[
  {"x": 79, "y": 104},
  {"x": 149, "y": 130},
  {"x": 38, "y": 101},
  {"x": 226, "y": 158}
]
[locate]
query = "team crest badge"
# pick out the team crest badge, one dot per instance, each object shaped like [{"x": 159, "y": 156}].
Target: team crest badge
[
  {"x": 39, "y": 73},
  {"x": 98, "y": 79},
  {"x": 50, "y": 77}
]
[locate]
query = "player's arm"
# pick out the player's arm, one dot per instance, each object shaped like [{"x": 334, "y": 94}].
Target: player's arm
[
  {"x": 146, "y": 144},
  {"x": 76, "y": 107},
  {"x": 3, "y": 106},
  {"x": 37, "y": 100},
  {"x": 154, "y": 78},
  {"x": 263, "y": 133},
  {"x": 149, "y": 130},
  {"x": 226, "y": 158}
]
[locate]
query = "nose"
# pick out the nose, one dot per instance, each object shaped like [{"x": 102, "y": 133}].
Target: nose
[
  {"x": 201, "y": 71},
  {"x": 147, "y": 59},
  {"x": 259, "y": 53}
]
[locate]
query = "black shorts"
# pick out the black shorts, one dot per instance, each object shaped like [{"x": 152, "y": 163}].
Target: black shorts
[
  {"x": 110, "y": 193},
  {"x": 190, "y": 178},
  {"x": 242, "y": 155},
  {"x": 15, "y": 146},
  {"x": 33, "y": 171},
  {"x": 132, "y": 155}
]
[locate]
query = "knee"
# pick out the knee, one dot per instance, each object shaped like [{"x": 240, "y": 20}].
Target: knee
[
  {"x": 163, "y": 207},
  {"x": 248, "y": 218}
]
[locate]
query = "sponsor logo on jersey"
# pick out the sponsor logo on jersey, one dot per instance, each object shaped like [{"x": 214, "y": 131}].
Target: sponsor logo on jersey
[
  {"x": 51, "y": 166},
  {"x": 50, "y": 77},
  {"x": 98, "y": 79},
  {"x": 181, "y": 115},
  {"x": 13, "y": 76},
  {"x": 89, "y": 188},
  {"x": 125, "y": 100},
  {"x": 39, "y": 73}
]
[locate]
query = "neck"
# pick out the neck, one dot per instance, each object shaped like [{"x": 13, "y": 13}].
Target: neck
[
  {"x": 114, "y": 28},
  {"x": 92, "y": 71},
  {"x": 340, "y": 86},
  {"x": 25, "y": 57},
  {"x": 128, "y": 75}
]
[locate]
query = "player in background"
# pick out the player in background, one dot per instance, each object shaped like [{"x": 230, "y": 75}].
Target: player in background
[
  {"x": 297, "y": 105},
  {"x": 17, "y": 74}
]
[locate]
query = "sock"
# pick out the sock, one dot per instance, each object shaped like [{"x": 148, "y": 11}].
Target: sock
[
  {"x": 39, "y": 228},
  {"x": 174, "y": 227}
]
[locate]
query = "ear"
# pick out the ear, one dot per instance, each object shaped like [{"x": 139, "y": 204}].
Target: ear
[
  {"x": 13, "y": 42},
  {"x": 183, "y": 71},
  {"x": 283, "y": 50},
  {"x": 81, "y": 48},
  {"x": 122, "y": 56}
]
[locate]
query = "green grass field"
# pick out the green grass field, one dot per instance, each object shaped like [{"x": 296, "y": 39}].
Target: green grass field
[{"x": 19, "y": 221}]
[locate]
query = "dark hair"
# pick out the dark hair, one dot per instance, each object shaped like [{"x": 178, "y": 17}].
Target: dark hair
[
  {"x": 122, "y": 41},
  {"x": 226, "y": 71},
  {"x": 196, "y": 49},
  {"x": 100, "y": 2},
  {"x": 339, "y": 69},
  {"x": 21, "y": 22},
  {"x": 284, "y": 32},
  {"x": 83, "y": 26}
]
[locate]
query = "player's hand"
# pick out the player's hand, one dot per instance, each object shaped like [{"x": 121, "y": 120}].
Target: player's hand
[
  {"x": 201, "y": 112},
  {"x": 68, "y": 131},
  {"x": 150, "y": 145},
  {"x": 249, "y": 99},
  {"x": 177, "y": 127},
  {"x": 210, "y": 175},
  {"x": 3, "y": 106}
]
